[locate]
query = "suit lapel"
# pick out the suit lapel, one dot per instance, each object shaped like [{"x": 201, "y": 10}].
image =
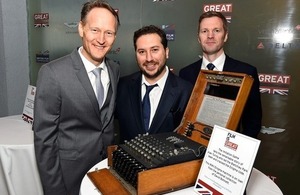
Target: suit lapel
[
  {"x": 229, "y": 65},
  {"x": 165, "y": 104},
  {"x": 135, "y": 100},
  {"x": 85, "y": 81},
  {"x": 113, "y": 85},
  {"x": 197, "y": 67}
]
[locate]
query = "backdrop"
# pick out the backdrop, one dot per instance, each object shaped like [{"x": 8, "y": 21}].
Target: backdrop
[{"x": 263, "y": 33}]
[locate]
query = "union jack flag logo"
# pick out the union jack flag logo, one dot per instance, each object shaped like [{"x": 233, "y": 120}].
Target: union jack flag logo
[
  {"x": 201, "y": 190},
  {"x": 272, "y": 90},
  {"x": 228, "y": 18}
]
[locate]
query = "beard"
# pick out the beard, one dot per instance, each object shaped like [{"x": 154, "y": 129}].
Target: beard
[{"x": 156, "y": 74}]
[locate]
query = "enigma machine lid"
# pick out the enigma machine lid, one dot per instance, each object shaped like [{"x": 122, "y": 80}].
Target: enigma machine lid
[{"x": 218, "y": 98}]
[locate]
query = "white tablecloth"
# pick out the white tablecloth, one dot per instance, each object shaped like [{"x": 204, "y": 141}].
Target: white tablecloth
[
  {"x": 18, "y": 170},
  {"x": 259, "y": 184}
]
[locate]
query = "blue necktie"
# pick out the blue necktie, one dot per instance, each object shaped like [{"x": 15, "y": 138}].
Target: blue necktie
[
  {"x": 146, "y": 106},
  {"x": 210, "y": 66},
  {"x": 99, "y": 86}
]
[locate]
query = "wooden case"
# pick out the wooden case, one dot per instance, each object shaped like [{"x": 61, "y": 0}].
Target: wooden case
[{"x": 217, "y": 98}]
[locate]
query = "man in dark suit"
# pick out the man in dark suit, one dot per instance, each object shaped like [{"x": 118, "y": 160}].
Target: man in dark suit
[
  {"x": 168, "y": 98},
  {"x": 71, "y": 128},
  {"x": 212, "y": 35}
]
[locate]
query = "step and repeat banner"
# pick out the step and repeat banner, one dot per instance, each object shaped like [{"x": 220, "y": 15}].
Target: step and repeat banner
[{"x": 265, "y": 34}]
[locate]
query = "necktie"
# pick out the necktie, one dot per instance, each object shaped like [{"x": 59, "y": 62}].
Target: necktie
[
  {"x": 99, "y": 86},
  {"x": 210, "y": 66},
  {"x": 146, "y": 106}
]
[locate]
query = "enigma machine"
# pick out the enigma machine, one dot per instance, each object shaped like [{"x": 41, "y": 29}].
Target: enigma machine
[{"x": 160, "y": 163}]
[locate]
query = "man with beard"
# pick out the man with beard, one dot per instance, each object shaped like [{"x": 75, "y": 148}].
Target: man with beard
[{"x": 169, "y": 95}]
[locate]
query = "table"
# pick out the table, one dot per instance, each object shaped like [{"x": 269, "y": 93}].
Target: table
[
  {"x": 18, "y": 169},
  {"x": 259, "y": 184}
]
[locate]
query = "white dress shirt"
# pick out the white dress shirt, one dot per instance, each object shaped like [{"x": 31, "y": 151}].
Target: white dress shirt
[
  {"x": 219, "y": 63},
  {"x": 104, "y": 74},
  {"x": 155, "y": 93}
]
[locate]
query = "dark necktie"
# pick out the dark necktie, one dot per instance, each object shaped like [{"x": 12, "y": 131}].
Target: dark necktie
[
  {"x": 210, "y": 66},
  {"x": 146, "y": 106},
  {"x": 99, "y": 86}
]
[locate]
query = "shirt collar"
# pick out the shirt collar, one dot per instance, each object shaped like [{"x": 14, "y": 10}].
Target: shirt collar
[
  {"x": 219, "y": 62},
  {"x": 161, "y": 82},
  {"x": 89, "y": 66}
]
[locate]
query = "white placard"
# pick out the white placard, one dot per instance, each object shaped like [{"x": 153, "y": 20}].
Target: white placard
[
  {"x": 29, "y": 104},
  {"x": 227, "y": 164}
]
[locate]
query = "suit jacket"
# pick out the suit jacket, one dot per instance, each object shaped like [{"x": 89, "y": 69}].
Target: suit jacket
[
  {"x": 250, "y": 123},
  {"x": 69, "y": 135},
  {"x": 169, "y": 112}
]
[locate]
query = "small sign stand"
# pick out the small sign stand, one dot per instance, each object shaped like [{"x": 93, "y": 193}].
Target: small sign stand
[
  {"x": 227, "y": 164},
  {"x": 29, "y": 104}
]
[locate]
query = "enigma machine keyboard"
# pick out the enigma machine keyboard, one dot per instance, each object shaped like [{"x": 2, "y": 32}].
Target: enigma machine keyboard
[{"x": 151, "y": 151}]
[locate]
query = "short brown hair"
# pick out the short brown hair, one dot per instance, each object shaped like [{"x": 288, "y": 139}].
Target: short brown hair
[
  {"x": 210, "y": 14},
  {"x": 151, "y": 29}
]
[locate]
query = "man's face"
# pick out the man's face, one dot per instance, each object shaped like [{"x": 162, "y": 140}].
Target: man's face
[
  {"x": 151, "y": 56},
  {"x": 98, "y": 34},
  {"x": 212, "y": 36}
]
